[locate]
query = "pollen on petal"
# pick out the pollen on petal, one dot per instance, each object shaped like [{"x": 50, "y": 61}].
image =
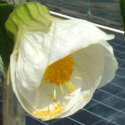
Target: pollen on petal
[
  {"x": 48, "y": 114},
  {"x": 85, "y": 96},
  {"x": 43, "y": 119}
]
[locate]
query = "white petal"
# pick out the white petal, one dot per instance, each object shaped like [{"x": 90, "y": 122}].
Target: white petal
[
  {"x": 23, "y": 102},
  {"x": 32, "y": 61},
  {"x": 111, "y": 64},
  {"x": 72, "y": 35}
]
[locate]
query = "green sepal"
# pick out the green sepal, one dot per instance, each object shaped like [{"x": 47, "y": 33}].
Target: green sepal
[{"x": 32, "y": 16}]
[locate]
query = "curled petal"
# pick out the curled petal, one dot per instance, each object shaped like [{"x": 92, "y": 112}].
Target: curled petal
[{"x": 110, "y": 66}]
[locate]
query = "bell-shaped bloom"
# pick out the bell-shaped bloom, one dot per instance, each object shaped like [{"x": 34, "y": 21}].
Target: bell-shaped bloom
[{"x": 56, "y": 69}]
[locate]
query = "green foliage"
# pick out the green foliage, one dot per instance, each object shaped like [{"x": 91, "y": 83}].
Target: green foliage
[
  {"x": 122, "y": 7},
  {"x": 2, "y": 67},
  {"x": 2, "y": 1},
  {"x": 6, "y": 42}
]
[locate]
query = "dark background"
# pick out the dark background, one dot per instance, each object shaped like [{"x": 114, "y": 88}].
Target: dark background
[{"x": 105, "y": 12}]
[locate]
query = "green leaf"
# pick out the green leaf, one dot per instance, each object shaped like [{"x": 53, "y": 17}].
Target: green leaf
[
  {"x": 2, "y": 1},
  {"x": 2, "y": 67},
  {"x": 122, "y": 7},
  {"x": 6, "y": 42}
]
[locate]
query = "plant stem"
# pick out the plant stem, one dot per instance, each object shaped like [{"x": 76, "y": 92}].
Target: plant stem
[{"x": 12, "y": 111}]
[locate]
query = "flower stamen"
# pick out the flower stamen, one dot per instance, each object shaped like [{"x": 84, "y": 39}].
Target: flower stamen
[
  {"x": 54, "y": 98},
  {"x": 59, "y": 71},
  {"x": 69, "y": 93},
  {"x": 70, "y": 85},
  {"x": 79, "y": 78},
  {"x": 62, "y": 89}
]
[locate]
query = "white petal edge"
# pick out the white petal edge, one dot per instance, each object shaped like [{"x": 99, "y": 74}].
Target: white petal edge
[
  {"x": 111, "y": 64},
  {"x": 13, "y": 60}
]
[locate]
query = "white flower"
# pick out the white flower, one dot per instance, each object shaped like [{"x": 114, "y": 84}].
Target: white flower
[{"x": 55, "y": 71}]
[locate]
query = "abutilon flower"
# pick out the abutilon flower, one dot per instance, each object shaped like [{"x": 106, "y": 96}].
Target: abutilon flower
[{"x": 57, "y": 65}]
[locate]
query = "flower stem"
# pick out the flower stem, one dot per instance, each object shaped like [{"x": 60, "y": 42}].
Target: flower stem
[{"x": 12, "y": 111}]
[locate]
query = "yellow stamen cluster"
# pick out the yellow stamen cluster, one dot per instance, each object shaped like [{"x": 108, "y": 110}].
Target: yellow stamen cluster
[
  {"x": 48, "y": 114},
  {"x": 60, "y": 71}
]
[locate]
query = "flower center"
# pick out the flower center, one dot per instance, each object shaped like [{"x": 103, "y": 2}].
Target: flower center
[{"x": 60, "y": 72}]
